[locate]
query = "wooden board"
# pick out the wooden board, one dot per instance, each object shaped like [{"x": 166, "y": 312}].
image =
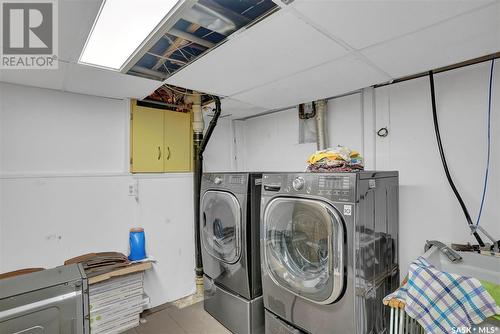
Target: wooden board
[
  {"x": 134, "y": 268},
  {"x": 20, "y": 272}
]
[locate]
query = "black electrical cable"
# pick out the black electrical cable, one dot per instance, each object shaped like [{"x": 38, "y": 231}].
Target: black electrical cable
[
  {"x": 445, "y": 164},
  {"x": 488, "y": 154},
  {"x": 212, "y": 125}
]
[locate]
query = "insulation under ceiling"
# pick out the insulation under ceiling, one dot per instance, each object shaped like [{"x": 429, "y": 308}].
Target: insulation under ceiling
[{"x": 197, "y": 29}]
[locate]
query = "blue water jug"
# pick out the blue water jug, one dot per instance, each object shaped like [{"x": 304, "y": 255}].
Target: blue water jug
[{"x": 137, "y": 244}]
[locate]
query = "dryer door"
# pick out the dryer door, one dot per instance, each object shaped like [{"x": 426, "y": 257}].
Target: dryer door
[
  {"x": 221, "y": 225},
  {"x": 304, "y": 248}
]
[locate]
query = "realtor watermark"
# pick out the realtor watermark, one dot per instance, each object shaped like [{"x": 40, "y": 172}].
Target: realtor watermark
[
  {"x": 484, "y": 329},
  {"x": 29, "y": 34}
]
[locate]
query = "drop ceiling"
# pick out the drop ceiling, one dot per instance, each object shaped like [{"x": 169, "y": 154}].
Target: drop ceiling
[
  {"x": 307, "y": 50},
  {"x": 75, "y": 21},
  {"x": 315, "y": 48},
  {"x": 237, "y": 109},
  {"x": 195, "y": 28},
  {"x": 334, "y": 78},
  {"x": 280, "y": 45}
]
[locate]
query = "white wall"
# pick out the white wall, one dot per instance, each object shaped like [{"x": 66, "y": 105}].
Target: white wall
[
  {"x": 64, "y": 170},
  {"x": 51, "y": 132},
  {"x": 428, "y": 209},
  {"x": 64, "y": 189},
  {"x": 219, "y": 155},
  {"x": 272, "y": 141}
]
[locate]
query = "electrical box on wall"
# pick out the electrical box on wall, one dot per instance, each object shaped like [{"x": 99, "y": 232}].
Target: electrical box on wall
[{"x": 307, "y": 123}]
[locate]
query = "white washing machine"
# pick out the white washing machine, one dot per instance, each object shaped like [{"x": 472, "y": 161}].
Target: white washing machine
[{"x": 329, "y": 249}]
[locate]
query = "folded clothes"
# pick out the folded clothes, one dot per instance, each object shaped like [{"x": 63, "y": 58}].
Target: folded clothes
[
  {"x": 441, "y": 301},
  {"x": 339, "y": 159},
  {"x": 333, "y": 169}
]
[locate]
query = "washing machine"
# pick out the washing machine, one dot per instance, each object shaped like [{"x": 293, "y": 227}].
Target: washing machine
[
  {"x": 329, "y": 251},
  {"x": 230, "y": 241}
]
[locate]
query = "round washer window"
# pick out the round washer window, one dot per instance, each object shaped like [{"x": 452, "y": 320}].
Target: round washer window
[
  {"x": 221, "y": 225},
  {"x": 301, "y": 246}
]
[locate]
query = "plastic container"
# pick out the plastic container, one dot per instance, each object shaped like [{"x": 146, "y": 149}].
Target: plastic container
[{"x": 137, "y": 244}]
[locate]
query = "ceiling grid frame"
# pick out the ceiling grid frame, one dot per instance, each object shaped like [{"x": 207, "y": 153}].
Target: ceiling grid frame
[
  {"x": 100, "y": 82},
  {"x": 335, "y": 39},
  {"x": 485, "y": 4}
]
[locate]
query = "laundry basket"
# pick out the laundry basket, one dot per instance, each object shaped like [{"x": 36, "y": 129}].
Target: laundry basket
[{"x": 400, "y": 322}]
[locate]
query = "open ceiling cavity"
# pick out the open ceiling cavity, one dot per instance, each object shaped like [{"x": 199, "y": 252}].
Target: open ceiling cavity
[
  {"x": 173, "y": 98},
  {"x": 197, "y": 27}
]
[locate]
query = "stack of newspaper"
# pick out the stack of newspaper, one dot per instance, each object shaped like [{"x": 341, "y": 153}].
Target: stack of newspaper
[{"x": 115, "y": 304}]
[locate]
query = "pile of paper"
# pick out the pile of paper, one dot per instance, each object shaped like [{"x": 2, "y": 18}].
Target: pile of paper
[{"x": 115, "y": 304}]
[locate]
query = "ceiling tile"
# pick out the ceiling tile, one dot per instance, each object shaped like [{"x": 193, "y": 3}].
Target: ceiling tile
[
  {"x": 237, "y": 109},
  {"x": 364, "y": 23},
  {"x": 276, "y": 47},
  {"x": 465, "y": 37},
  {"x": 76, "y": 18},
  {"x": 331, "y": 79},
  {"x": 99, "y": 82},
  {"x": 52, "y": 79}
]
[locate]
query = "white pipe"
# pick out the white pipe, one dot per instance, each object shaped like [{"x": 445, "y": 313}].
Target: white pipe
[
  {"x": 198, "y": 122},
  {"x": 396, "y": 321},
  {"x": 321, "y": 141},
  {"x": 401, "y": 317},
  {"x": 391, "y": 322}
]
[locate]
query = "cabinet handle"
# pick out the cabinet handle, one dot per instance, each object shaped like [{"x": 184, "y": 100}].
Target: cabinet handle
[
  {"x": 168, "y": 152},
  {"x": 159, "y": 152}
]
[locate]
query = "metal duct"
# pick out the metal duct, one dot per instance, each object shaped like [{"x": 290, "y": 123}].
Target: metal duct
[
  {"x": 191, "y": 37},
  {"x": 209, "y": 14},
  {"x": 148, "y": 73},
  {"x": 321, "y": 141}
]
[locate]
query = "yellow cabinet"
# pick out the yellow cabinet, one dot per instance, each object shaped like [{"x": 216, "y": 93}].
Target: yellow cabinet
[
  {"x": 147, "y": 140},
  {"x": 177, "y": 141},
  {"x": 161, "y": 140}
]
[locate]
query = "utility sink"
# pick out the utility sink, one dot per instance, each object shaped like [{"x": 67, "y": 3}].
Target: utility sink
[{"x": 482, "y": 267}]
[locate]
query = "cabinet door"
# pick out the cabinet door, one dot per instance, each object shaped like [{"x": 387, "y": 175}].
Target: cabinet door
[
  {"x": 147, "y": 140},
  {"x": 177, "y": 142}
]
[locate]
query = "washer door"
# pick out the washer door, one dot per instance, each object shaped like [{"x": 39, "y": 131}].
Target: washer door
[
  {"x": 221, "y": 225},
  {"x": 304, "y": 248}
]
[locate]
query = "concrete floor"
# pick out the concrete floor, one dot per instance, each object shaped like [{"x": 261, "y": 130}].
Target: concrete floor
[{"x": 172, "y": 320}]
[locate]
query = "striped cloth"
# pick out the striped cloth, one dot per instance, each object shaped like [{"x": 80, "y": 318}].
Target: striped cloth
[{"x": 441, "y": 301}]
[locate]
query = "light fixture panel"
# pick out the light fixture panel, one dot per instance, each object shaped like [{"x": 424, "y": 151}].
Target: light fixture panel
[{"x": 120, "y": 28}]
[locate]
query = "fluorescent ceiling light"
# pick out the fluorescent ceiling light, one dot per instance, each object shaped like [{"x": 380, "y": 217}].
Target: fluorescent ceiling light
[{"x": 120, "y": 28}]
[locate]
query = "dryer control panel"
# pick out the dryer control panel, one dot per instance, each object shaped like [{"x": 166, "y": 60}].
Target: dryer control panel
[
  {"x": 338, "y": 187},
  {"x": 232, "y": 182}
]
